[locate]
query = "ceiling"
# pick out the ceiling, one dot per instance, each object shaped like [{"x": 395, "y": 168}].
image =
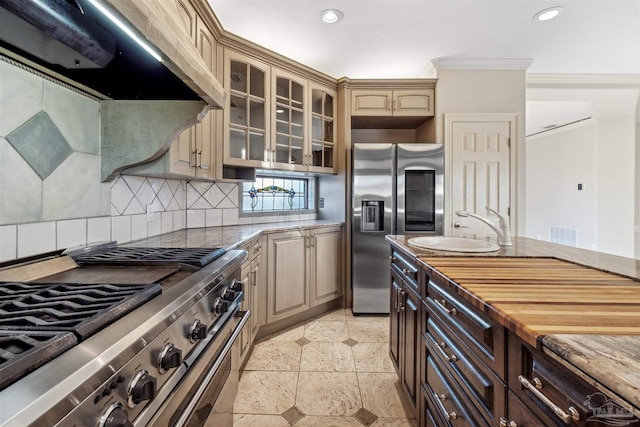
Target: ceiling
[{"x": 399, "y": 38}]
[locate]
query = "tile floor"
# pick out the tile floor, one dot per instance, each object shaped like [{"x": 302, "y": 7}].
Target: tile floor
[{"x": 333, "y": 371}]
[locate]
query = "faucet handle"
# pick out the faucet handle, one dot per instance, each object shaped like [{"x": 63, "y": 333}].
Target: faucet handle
[{"x": 502, "y": 219}]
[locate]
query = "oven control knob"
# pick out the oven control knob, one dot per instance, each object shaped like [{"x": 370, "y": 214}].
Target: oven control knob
[
  {"x": 170, "y": 357},
  {"x": 141, "y": 388},
  {"x": 197, "y": 331},
  {"x": 220, "y": 306},
  {"x": 230, "y": 295},
  {"x": 115, "y": 416},
  {"x": 237, "y": 286}
]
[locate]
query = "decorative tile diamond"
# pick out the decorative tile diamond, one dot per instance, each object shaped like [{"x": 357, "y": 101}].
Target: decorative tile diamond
[
  {"x": 365, "y": 417},
  {"x": 302, "y": 341},
  {"x": 41, "y": 144},
  {"x": 293, "y": 415},
  {"x": 350, "y": 342}
]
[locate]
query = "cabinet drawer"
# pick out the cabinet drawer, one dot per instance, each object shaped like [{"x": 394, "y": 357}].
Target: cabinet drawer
[
  {"x": 446, "y": 400},
  {"x": 483, "y": 335},
  {"x": 551, "y": 385},
  {"x": 406, "y": 267},
  {"x": 485, "y": 389}
]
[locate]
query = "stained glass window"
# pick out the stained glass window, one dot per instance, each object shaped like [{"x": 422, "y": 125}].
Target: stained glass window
[{"x": 271, "y": 193}]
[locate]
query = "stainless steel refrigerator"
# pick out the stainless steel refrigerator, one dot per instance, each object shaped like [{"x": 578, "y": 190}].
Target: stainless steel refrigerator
[{"x": 396, "y": 189}]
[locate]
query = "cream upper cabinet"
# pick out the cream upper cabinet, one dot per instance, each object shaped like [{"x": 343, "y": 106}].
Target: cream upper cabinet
[
  {"x": 275, "y": 119},
  {"x": 406, "y": 102},
  {"x": 289, "y": 121},
  {"x": 322, "y": 155},
  {"x": 246, "y": 136},
  {"x": 192, "y": 153}
]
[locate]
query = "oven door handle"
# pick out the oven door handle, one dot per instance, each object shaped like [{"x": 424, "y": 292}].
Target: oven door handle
[{"x": 188, "y": 410}]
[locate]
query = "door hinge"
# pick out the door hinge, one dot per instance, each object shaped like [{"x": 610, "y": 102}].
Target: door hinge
[{"x": 508, "y": 211}]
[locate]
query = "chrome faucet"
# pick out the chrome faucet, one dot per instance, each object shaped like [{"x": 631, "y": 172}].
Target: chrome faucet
[{"x": 504, "y": 233}]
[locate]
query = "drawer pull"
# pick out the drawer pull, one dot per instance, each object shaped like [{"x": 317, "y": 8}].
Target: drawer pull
[
  {"x": 441, "y": 347},
  {"x": 535, "y": 388},
  {"x": 507, "y": 423},
  {"x": 443, "y": 306},
  {"x": 448, "y": 415}
]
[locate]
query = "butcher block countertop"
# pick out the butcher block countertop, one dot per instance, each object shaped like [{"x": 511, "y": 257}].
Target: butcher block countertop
[{"x": 580, "y": 307}]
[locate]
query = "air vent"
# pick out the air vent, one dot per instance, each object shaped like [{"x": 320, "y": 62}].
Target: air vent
[
  {"x": 237, "y": 78},
  {"x": 563, "y": 235}
]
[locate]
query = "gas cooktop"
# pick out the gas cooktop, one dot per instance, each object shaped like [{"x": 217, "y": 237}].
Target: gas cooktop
[{"x": 38, "y": 321}]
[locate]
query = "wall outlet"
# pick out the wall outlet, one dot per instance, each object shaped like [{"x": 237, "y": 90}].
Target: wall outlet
[
  {"x": 321, "y": 202},
  {"x": 149, "y": 213}
]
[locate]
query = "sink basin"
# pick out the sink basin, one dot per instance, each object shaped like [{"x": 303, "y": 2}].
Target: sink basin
[{"x": 453, "y": 244}]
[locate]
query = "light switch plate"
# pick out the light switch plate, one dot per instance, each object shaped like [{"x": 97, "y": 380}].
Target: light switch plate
[{"x": 149, "y": 213}]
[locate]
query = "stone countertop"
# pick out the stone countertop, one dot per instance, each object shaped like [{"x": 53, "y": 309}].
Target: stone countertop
[
  {"x": 228, "y": 237},
  {"x": 526, "y": 247},
  {"x": 611, "y": 363}
]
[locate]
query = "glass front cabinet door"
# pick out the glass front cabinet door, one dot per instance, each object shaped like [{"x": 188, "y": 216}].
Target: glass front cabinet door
[
  {"x": 246, "y": 139},
  {"x": 322, "y": 154},
  {"x": 289, "y": 121}
]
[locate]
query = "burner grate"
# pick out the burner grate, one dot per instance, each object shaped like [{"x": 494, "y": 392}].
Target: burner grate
[
  {"x": 26, "y": 351},
  {"x": 198, "y": 257},
  {"x": 79, "y": 308}
]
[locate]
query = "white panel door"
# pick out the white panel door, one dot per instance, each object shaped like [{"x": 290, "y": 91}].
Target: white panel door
[{"x": 480, "y": 175}]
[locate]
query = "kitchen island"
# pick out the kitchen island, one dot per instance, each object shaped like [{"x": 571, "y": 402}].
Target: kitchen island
[{"x": 593, "y": 329}]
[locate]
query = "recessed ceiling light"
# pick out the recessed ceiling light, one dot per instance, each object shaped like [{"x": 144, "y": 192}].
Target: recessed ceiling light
[
  {"x": 331, "y": 16},
  {"x": 547, "y": 14}
]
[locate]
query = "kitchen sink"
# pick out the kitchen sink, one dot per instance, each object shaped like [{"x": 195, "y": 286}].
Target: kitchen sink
[{"x": 453, "y": 244}]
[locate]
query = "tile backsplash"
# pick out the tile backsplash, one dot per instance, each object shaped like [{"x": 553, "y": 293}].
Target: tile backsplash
[{"x": 43, "y": 210}]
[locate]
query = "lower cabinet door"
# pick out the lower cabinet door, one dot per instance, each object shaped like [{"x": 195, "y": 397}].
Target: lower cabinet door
[
  {"x": 410, "y": 303},
  {"x": 288, "y": 275},
  {"x": 394, "y": 321}
]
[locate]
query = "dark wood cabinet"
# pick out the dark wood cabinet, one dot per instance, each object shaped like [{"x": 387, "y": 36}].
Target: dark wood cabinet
[
  {"x": 483, "y": 335},
  {"x": 553, "y": 393},
  {"x": 460, "y": 366},
  {"x": 444, "y": 398},
  {"x": 405, "y": 319}
]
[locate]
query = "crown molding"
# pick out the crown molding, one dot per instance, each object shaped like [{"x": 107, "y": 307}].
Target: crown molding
[
  {"x": 449, "y": 63},
  {"x": 619, "y": 81}
]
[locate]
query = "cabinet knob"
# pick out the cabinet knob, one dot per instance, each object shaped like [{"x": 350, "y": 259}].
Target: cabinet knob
[
  {"x": 507, "y": 423},
  {"x": 442, "y": 304}
]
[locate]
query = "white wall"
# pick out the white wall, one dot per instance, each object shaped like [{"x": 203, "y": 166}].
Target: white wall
[
  {"x": 637, "y": 220},
  {"x": 602, "y": 156},
  {"x": 556, "y": 162},
  {"x": 616, "y": 185},
  {"x": 487, "y": 91}
]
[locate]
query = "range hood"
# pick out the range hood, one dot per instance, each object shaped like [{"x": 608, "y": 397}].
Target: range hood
[{"x": 76, "y": 40}]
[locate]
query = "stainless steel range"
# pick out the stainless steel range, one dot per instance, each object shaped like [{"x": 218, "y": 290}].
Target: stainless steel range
[{"x": 124, "y": 337}]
